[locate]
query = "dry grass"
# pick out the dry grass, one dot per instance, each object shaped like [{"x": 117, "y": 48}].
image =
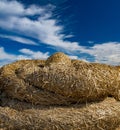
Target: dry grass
[
  {"x": 99, "y": 116},
  {"x": 58, "y": 58},
  {"x": 47, "y": 95},
  {"x": 80, "y": 80},
  {"x": 59, "y": 80}
]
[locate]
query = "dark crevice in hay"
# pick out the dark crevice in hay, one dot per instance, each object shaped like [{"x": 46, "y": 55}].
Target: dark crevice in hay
[
  {"x": 110, "y": 95},
  {"x": 41, "y": 66},
  {"x": 24, "y": 105},
  {"x": 2, "y": 96},
  {"x": 17, "y": 71}
]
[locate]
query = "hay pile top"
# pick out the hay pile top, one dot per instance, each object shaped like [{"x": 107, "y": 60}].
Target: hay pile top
[{"x": 58, "y": 58}]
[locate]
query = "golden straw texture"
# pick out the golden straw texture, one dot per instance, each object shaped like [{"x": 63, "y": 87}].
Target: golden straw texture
[
  {"x": 59, "y": 94},
  {"x": 99, "y": 116}
]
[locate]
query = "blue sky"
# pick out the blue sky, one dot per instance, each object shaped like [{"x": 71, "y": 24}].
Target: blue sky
[{"x": 86, "y": 30}]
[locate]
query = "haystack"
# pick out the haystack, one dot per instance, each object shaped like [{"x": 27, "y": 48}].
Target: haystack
[
  {"x": 77, "y": 80},
  {"x": 14, "y": 84},
  {"x": 60, "y": 80},
  {"x": 59, "y": 94}
]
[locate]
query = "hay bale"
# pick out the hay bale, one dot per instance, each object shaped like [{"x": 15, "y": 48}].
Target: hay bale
[
  {"x": 59, "y": 80},
  {"x": 13, "y": 84},
  {"x": 80, "y": 80},
  {"x": 46, "y": 95},
  {"x": 99, "y": 116}
]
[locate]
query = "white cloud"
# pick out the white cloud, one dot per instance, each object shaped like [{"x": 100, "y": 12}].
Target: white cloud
[
  {"x": 91, "y": 42},
  {"x": 43, "y": 28},
  {"x": 19, "y": 39},
  {"x": 34, "y": 55},
  {"x": 10, "y": 8},
  {"x": 6, "y": 58},
  {"x": 73, "y": 57},
  {"x": 26, "y": 51},
  {"x": 105, "y": 53},
  {"x": 14, "y": 8},
  {"x": 69, "y": 36}
]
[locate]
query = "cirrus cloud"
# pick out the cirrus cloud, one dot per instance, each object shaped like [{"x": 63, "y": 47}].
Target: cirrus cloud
[
  {"x": 19, "y": 39},
  {"x": 43, "y": 28}
]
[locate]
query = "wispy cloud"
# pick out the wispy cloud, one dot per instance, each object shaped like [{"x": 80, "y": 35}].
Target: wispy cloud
[
  {"x": 105, "y": 52},
  {"x": 19, "y": 39},
  {"x": 14, "y": 8},
  {"x": 73, "y": 57},
  {"x": 37, "y": 22},
  {"x": 43, "y": 28},
  {"x": 34, "y": 55},
  {"x": 91, "y": 42},
  {"x": 6, "y": 58}
]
